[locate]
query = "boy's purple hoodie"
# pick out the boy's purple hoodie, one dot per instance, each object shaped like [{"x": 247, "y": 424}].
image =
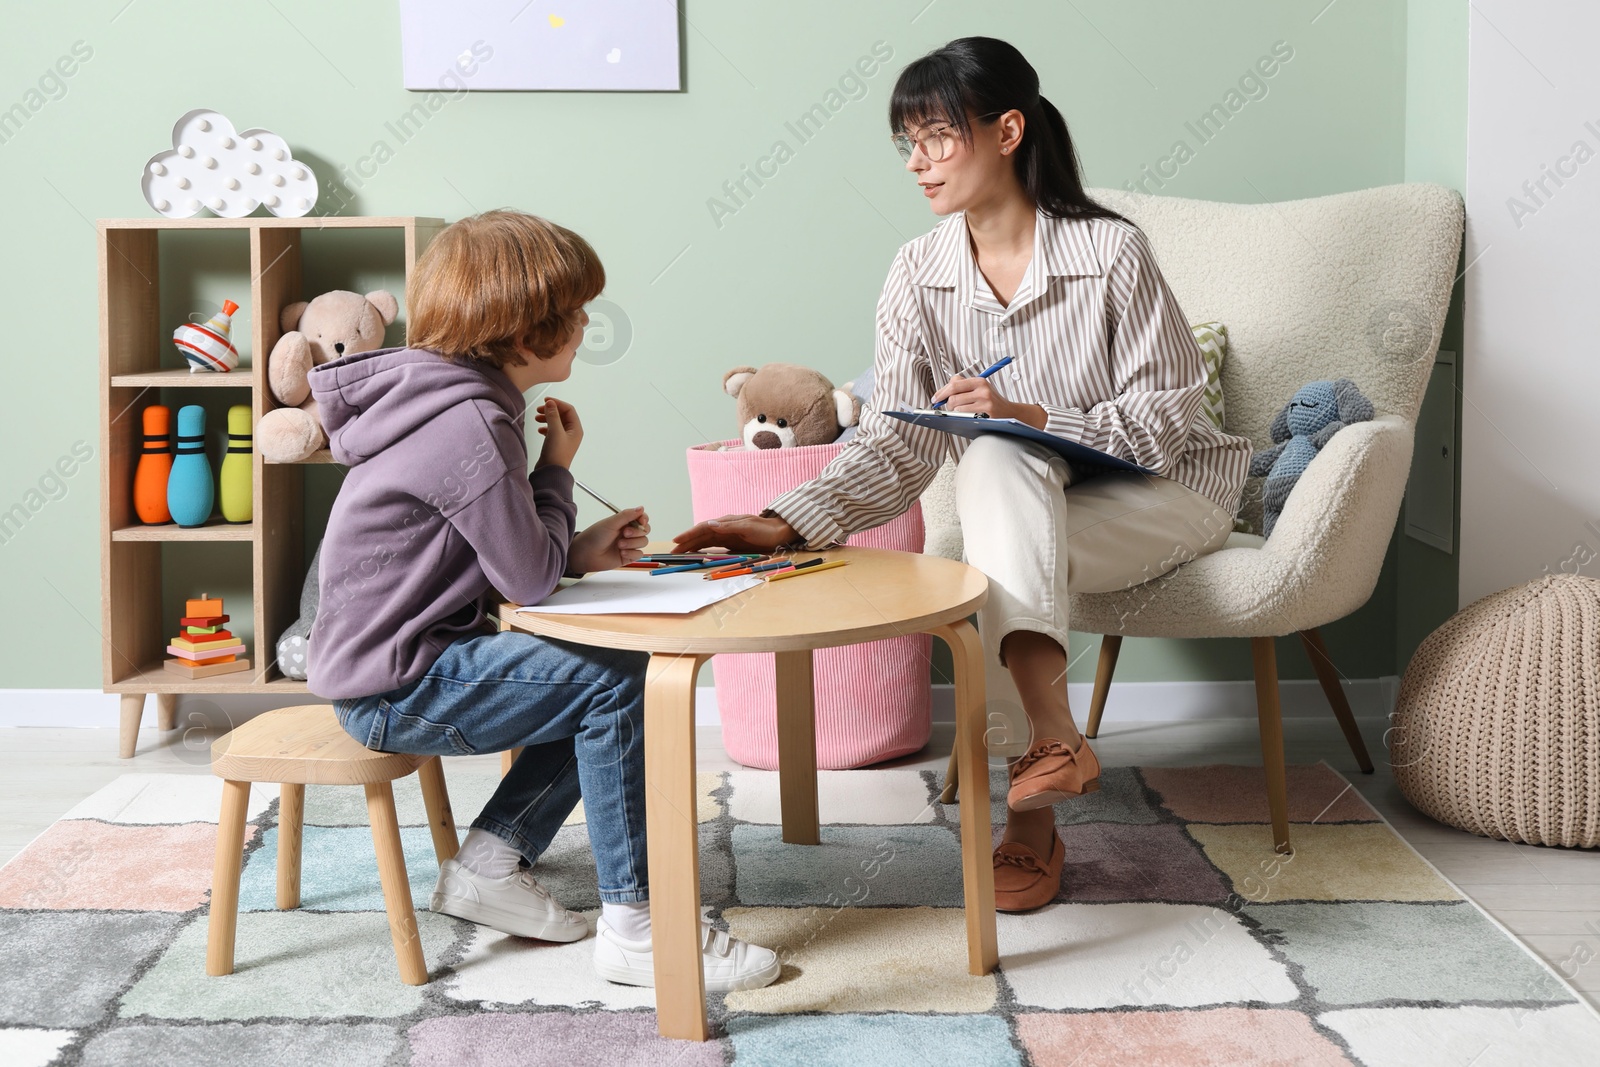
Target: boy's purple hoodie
[{"x": 438, "y": 506}]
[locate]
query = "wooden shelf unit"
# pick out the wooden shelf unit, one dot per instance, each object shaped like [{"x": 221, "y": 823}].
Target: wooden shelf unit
[{"x": 132, "y": 340}]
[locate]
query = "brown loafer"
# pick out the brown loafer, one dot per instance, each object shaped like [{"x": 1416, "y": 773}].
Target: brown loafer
[
  {"x": 1050, "y": 771},
  {"x": 1022, "y": 881}
]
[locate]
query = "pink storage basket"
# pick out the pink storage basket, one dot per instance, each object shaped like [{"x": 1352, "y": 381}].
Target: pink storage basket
[{"x": 873, "y": 700}]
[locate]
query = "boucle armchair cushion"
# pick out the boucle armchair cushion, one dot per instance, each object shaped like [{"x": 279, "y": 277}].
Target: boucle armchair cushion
[{"x": 1310, "y": 572}]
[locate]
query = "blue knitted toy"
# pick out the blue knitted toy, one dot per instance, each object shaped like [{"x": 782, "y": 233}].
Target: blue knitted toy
[{"x": 1301, "y": 430}]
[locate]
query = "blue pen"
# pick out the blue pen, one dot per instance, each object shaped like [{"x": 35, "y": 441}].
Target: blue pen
[{"x": 985, "y": 374}]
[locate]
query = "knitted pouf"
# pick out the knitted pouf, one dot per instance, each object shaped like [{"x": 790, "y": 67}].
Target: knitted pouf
[{"x": 1497, "y": 725}]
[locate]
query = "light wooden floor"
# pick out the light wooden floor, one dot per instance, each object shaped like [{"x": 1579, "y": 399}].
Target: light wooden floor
[{"x": 1550, "y": 898}]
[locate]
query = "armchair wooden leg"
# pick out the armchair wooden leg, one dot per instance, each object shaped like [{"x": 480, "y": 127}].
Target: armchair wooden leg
[
  {"x": 436, "y": 801},
  {"x": 291, "y": 822},
  {"x": 1110, "y": 645},
  {"x": 1265, "y": 654},
  {"x": 1322, "y": 663}
]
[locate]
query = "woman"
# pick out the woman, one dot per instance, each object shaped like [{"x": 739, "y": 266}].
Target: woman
[{"x": 1026, "y": 265}]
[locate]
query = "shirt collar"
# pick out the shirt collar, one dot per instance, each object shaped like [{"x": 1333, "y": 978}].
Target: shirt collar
[{"x": 1063, "y": 246}]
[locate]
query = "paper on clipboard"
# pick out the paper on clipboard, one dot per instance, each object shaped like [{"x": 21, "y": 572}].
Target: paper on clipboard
[{"x": 638, "y": 592}]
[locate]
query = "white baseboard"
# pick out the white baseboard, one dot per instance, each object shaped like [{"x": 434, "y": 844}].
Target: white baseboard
[{"x": 1128, "y": 701}]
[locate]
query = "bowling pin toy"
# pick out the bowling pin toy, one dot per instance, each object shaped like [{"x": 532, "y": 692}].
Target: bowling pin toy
[
  {"x": 234, "y": 481},
  {"x": 190, "y": 493},
  {"x": 207, "y": 346},
  {"x": 155, "y": 464}
]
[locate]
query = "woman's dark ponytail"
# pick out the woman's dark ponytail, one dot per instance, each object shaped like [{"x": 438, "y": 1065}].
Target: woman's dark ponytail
[{"x": 988, "y": 77}]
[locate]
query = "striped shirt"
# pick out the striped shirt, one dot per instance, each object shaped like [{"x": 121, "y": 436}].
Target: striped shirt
[{"x": 1097, "y": 340}]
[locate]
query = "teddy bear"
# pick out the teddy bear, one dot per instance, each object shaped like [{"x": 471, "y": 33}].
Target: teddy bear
[
  {"x": 782, "y": 405},
  {"x": 332, "y": 325},
  {"x": 1303, "y": 428}
]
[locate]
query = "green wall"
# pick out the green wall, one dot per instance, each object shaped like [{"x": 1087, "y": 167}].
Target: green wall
[{"x": 1372, "y": 95}]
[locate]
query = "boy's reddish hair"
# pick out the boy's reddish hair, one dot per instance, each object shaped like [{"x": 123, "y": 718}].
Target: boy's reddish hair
[{"x": 490, "y": 283}]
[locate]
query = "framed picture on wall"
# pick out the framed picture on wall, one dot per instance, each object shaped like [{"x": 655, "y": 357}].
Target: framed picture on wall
[{"x": 619, "y": 45}]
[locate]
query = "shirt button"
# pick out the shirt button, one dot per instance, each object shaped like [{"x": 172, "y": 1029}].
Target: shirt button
[{"x": 1014, "y": 374}]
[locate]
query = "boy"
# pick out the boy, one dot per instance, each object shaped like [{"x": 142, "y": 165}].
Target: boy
[{"x": 438, "y": 507}]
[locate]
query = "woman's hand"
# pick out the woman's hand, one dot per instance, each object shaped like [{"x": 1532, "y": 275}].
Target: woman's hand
[
  {"x": 562, "y": 433},
  {"x": 976, "y": 394},
  {"x": 610, "y": 543},
  {"x": 737, "y": 533}
]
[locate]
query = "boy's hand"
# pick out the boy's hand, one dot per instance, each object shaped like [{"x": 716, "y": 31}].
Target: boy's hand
[
  {"x": 610, "y": 543},
  {"x": 562, "y": 433}
]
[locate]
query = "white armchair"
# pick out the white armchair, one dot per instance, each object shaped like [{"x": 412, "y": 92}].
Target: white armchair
[{"x": 1354, "y": 285}]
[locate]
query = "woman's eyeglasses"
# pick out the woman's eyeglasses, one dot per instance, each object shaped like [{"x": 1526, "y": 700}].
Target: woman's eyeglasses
[{"x": 937, "y": 142}]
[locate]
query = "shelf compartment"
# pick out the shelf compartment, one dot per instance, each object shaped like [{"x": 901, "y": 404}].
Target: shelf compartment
[
  {"x": 152, "y": 677},
  {"x": 238, "y": 378},
  {"x": 213, "y": 529}
]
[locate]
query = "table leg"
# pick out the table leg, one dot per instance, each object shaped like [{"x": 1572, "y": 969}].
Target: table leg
[
  {"x": 977, "y": 861},
  {"x": 797, "y": 747},
  {"x": 671, "y": 821}
]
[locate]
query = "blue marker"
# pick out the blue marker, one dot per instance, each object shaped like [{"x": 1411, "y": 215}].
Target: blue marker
[{"x": 985, "y": 374}]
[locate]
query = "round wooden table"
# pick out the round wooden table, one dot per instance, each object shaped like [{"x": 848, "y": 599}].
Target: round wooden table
[{"x": 880, "y": 594}]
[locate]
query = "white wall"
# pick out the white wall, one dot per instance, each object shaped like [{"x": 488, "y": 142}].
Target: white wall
[{"x": 1530, "y": 483}]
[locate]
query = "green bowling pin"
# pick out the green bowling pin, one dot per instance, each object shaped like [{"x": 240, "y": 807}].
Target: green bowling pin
[{"x": 234, "y": 480}]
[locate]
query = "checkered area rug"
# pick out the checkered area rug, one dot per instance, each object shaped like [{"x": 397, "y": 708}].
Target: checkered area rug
[{"x": 1178, "y": 937}]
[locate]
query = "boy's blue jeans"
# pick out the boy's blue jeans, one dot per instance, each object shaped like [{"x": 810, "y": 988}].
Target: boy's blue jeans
[{"x": 576, "y": 710}]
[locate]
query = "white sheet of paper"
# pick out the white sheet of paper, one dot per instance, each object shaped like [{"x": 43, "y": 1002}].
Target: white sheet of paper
[{"x": 618, "y": 592}]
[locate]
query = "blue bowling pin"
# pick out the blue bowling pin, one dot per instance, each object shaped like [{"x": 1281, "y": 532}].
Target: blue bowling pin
[{"x": 190, "y": 492}]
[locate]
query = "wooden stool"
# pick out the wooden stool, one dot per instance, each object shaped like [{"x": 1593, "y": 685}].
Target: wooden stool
[{"x": 303, "y": 746}]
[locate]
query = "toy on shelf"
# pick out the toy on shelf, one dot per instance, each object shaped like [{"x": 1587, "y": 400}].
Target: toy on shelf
[
  {"x": 155, "y": 466},
  {"x": 234, "y": 481},
  {"x": 332, "y": 326},
  {"x": 208, "y": 346},
  {"x": 210, "y": 165},
  {"x": 294, "y": 646},
  {"x": 190, "y": 493},
  {"x": 204, "y": 647}
]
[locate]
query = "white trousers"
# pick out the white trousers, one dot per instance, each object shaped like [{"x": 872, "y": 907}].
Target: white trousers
[{"x": 1040, "y": 530}]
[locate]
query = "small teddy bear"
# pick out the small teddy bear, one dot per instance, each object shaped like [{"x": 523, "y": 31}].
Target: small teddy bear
[
  {"x": 332, "y": 325},
  {"x": 1317, "y": 411},
  {"x": 787, "y": 406}
]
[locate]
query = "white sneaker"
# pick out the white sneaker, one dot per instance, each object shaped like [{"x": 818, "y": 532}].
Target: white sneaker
[
  {"x": 729, "y": 963},
  {"x": 517, "y": 904}
]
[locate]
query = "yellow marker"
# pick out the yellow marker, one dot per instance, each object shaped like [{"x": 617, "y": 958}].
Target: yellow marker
[{"x": 807, "y": 570}]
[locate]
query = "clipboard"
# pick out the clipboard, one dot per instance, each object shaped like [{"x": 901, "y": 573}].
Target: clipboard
[{"x": 969, "y": 426}]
